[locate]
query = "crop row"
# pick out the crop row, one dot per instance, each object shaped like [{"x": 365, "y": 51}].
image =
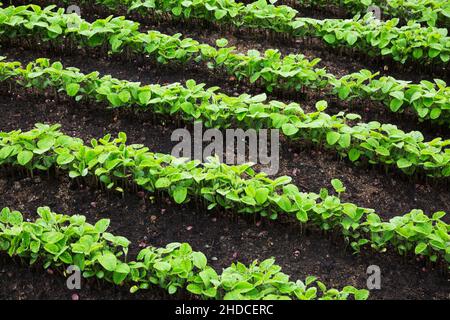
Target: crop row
[
  {"x": 431, "y": 12},
  {"x": 366, "y": 34},
  {"x": 271, "y": 70},
  {"x": 375, "y": 142},
  {"x": 58, "y": 240},
  {"x": 240, "y": 188}
]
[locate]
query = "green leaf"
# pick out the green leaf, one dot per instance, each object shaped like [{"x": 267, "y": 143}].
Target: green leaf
[
  {"x": 362, "y": 294},
  {"x": 179, "y": 194},
  {"x": 119, "y": 277},
  {"x": 417, "y": 53},
  {"x": 72, "y": 89},
  {"x": 261, "y": 195},
  {"x": 421, "y": 247},
  {"x": 395, "y": 104},
  {"x": 219, "y": 14},
  {"x": 55, "y": 28},
  {"x": 435, "y": 113},
  {"x": 52, "y": 237},
  {"x": 199, "y": 260},
  {"x": 24, "y": 157},
  {"x": 338, "y": 185},
  {"x": 162, "y": 183},
  {"x": 114, "y": 99},
  {"x": 321, "y": 105},
  {"x": 162, "y": 266},
  {"x": 177, "y": 11},
  {"x": 330, "y": 38},
  {"x": 397, "y": 94},
  {"x": 351, "y": 38},
  {"x": 15, "y": 218},
  {"x": 46, "y": 143},
  {"x": 124, "y": 96},
  {"x": 345, "y": 140},
  {"x": 354, "y": 154},
  {"x": 343, "y": 92},
  {"x": 433, "y": 53},
  {"x": 4, "y": 215},
  {"x": 122, "y": 268},
  {"x": 284, "y": 203},
  {"x": 333, "y": 137},
  {"x": 382, "y": 151},
  {"x": 438, "y": 215},
  {"x": 289, "y": 129},
  {"x": 195, "y": 289},
  {"x": 221, "y": 42},
  {"x": 65, "y": 158},
  {"x": 144, "y": 97},
  {"x": 403, "y": 163},
  {"x": 102, "y": 225},
  {"x": 302, "y": 215},
  {"x": 445, "y": 57},
  {"x": 108, "y": 261}
]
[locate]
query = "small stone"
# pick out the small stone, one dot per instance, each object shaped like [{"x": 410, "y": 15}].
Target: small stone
[
  {"x": 49, "y": 271},
  {"x": 17, "y": 186},
  {"x": 189, "y": 228},
  {"x": 214, "y": 259},
  {"x": 262, "y": 234},
  {"x": 153, "y": 219},
  {"x": 94, "y": 204},
  {"x": 75, "y": 297}
]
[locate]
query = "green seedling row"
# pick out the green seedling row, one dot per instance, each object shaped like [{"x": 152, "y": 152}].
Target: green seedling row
[
  {"x": 270, "y": 70},
  {"x": 239, "y": 188},
  {"x": 372, "y": 142},
  {"x": 366, "y": 34},
  {"x": 57, "y": 240},
  {"x": 431, "y": 12}
]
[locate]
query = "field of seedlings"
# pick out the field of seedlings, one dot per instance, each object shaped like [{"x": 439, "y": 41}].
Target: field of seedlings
[{"x": 347, "y": 100}]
